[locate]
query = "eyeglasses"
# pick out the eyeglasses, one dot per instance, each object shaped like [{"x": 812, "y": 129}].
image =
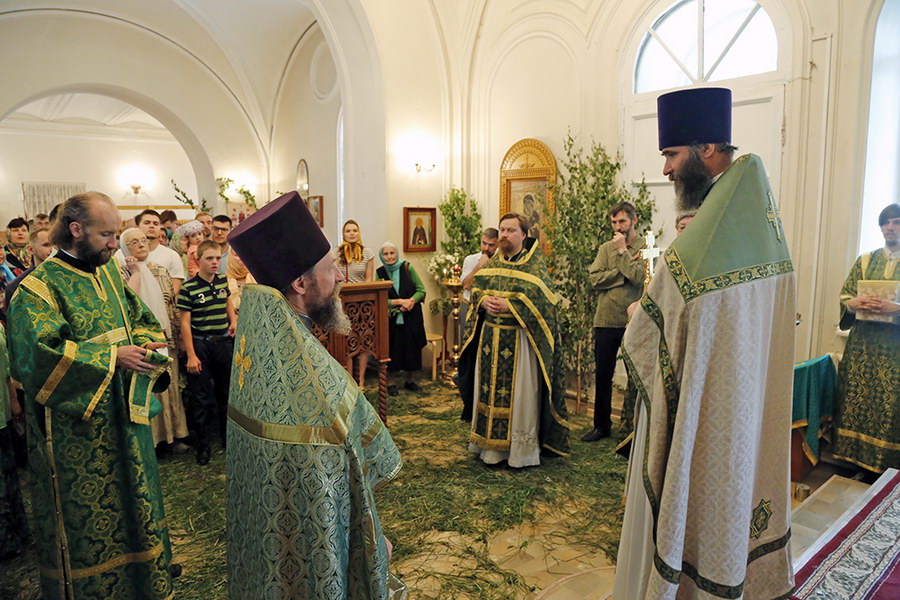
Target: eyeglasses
[{"x": 221, "y": 229}]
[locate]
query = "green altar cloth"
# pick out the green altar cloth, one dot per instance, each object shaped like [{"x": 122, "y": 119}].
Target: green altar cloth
[{"x": 813, "y": 407}]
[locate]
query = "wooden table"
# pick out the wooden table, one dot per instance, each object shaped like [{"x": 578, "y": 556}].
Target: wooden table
[{"x": 366, "y": 305}]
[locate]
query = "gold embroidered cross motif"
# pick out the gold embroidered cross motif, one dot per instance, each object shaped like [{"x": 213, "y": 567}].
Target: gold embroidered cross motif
[
  {"x": 759, "y": 522},
  {"x": 773, "y": 217},
  {"x": 503, "y": 393},
  {"x": 242, "y": 361},
  {"x": 506, "y": 353}
]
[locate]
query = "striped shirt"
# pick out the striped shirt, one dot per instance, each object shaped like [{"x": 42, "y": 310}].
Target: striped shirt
[{"x": 206, "y": 302}]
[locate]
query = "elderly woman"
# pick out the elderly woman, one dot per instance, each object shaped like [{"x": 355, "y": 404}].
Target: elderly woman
[
  {"x": 152, "y": 283},
  {"x": 406, "y": 324}
]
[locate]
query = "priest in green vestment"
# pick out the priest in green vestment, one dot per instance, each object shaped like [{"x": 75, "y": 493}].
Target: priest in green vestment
[
  {"x": 710, "y": 352},
  {"x": 82, "y": 345},
  {"x": 508, "y": 371},
  {"x": 306, "y": 449},
  {"x": 867, "y": 423}
]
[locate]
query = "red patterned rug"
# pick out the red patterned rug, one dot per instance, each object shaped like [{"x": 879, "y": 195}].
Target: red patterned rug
[{"x": 861, "y": 561}]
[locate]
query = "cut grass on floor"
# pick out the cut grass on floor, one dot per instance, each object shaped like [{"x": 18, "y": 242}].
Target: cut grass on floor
[{"x": 445, "y": 505}]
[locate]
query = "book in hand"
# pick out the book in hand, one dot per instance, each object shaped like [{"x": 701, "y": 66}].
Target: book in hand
[{"x": 884, "y": 289}]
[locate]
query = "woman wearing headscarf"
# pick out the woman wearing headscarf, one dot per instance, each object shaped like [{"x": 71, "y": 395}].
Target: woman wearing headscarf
[
  {"x": 152, "y": 283},
  {"x": 406, "y": 325},
  {"x": 358, "y": 265},
  {"x": 355, "y": 260},
  {"x": 238, "y": 276}
]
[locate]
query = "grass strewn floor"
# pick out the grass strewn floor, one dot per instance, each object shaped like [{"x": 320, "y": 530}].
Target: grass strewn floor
[{"x": 440, "y": 512}]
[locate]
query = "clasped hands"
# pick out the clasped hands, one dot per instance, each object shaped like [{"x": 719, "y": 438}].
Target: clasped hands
[
  {"x": 495, "y": 305},
  {"x": 872, "y": 304},
  {"x": 405, "y": 305}
]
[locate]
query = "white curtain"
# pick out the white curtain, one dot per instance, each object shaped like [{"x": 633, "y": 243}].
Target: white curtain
[{"x": 41, "y": 197}]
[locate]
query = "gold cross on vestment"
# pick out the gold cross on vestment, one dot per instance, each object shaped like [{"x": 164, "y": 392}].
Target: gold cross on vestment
[
  {"x": 242, "y": 361},
  {"x": 773, "y": 217}
]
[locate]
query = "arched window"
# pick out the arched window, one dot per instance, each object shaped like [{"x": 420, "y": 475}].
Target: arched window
[
  {"x": 699, "y": 41},
  {"x": 882, "y": 183}
]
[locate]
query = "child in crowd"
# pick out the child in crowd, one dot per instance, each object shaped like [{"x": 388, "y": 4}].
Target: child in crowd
[
  {"x": 191, "y": 233},
  {"x": 208, "y": 321}
]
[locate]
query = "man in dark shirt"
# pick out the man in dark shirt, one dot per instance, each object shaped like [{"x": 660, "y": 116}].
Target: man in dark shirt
[{"x": 208, "y": 322}]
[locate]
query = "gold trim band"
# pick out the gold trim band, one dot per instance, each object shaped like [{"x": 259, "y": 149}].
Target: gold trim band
[
  {"x": 118, "y": 561},
  {"x": 59, "y": 371},
  {"x": 333, "y": 435},
  {"x": 38, "y": 288},
  {"x": 110, "y": 337},
  {"x": 551, "y": 297},
  {"x": 105, "y": 384},
  {"x": 868, "y": 439}
]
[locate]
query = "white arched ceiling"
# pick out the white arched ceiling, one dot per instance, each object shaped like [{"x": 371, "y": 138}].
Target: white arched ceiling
[{"x": 73, "y": 51}]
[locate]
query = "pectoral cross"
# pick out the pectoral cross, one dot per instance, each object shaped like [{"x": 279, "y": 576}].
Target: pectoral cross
[
  {"x": 772, "y": 216},
  {"x": 242, "y": 361},
  {"x": 649, "y": 253}
]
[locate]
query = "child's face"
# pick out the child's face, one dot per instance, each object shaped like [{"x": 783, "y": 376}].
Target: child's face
[
  {"x": 195, "y": 238},
  {"x": 209, "y": 261}
]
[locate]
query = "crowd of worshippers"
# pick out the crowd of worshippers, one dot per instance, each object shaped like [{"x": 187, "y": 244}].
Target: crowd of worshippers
[{"x": 104, "y": 322}]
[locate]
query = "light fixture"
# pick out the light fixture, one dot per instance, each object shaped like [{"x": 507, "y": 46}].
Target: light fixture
[
  {"x": 136, "y": 188},
  {"x": 420, "y": 168}
]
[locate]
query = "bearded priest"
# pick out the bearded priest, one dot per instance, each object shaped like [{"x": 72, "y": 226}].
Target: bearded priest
[
  {"x": 710, "y": 351},
  {"x": 306, "y": 449}
]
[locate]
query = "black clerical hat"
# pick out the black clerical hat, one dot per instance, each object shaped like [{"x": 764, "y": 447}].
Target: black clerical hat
[
  {"x": 695, "y": 116},
  {"x": 280, "y": 241}
]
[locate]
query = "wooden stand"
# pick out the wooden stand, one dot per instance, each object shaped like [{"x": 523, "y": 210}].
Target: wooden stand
[{"x": 366, "y": 304}]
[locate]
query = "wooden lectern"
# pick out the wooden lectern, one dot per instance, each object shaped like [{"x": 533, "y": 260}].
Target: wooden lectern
[{"x": 366, "y": 304}]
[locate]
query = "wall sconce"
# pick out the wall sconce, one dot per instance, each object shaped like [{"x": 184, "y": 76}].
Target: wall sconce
[
  {"x": 136, "y": 188},
  {"x": 427, "y": 169}
]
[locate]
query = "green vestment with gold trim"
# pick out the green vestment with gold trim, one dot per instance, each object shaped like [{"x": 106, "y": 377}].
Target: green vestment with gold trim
[
  {"x": 867, "y": 423},
  {"x": 492, "y": 343},
  {"x": 306, "y": 450},
  {"x": 97, "y": 499},
  {"x": 710, "y": 353}
]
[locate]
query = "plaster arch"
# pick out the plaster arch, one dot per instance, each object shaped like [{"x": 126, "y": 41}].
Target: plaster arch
[
  {"x": 192, "y": 147},
  {"x": 354, "y": 49},
  {"x": 565, "y": 35},
  {"x": 52, "y": 56}
]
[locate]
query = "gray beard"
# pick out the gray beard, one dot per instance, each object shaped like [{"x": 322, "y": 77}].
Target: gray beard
[
  {"x": 692, "y": 185},
  {"x": 329, "y": 315}
]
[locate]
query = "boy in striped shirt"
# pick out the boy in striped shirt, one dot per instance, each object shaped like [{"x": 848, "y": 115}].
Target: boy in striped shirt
[{"x": 208, "y": 322}]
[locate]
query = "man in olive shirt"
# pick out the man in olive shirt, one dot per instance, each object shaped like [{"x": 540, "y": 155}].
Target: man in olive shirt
[{"x": 618, "y": 276}]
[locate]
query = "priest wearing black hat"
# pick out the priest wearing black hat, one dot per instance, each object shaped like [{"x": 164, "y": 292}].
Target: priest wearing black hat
[
  {"x": 711, "y": 351},
  {"x": 305, "y": 447}
]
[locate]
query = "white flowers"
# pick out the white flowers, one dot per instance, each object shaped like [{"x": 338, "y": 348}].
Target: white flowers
[{"x": 440, "y": 265}]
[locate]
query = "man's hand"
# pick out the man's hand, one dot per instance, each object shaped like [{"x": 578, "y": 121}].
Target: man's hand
[
  {"x": 155, "y": 345},
  {"x": 880, "y": 306},
  {"x": 407, "y": 305},
  {"x": 496, "y": 305},
  {"x": 131, "y": 357},
  {"x": 193, "y": 364},
  {"x": 14, "y": 406},
  {"x": 620, "y": 243},
  {"x": 482, "y": 260},
  {"x": 232, "y": 327}
]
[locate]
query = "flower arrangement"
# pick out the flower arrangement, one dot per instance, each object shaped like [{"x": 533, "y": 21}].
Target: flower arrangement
[{"x": 441, "y": 265}]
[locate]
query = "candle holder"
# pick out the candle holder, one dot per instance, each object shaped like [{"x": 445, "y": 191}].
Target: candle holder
[{"x": 454, "y": 286}]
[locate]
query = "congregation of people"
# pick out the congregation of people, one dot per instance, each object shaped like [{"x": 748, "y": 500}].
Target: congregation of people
[{"x": 127, "y": 342}]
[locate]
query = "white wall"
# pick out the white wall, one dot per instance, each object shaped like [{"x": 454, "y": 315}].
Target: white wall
[
  {"x": 96, "y": 162},
  {"x": 306, "y": 126}
]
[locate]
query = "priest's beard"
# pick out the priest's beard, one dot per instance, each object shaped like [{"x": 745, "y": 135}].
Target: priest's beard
[
  {"x": 90, "y": 255},
  {"x": 692, "y": 182},
  {"x": 328, "y": 312}
]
